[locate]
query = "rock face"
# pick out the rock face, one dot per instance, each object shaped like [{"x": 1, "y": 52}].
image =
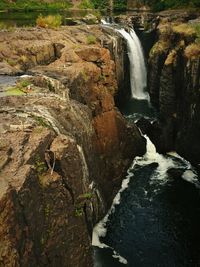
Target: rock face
[
  {"x": 64, "y": 146},
  {"x": 174, "y": 85}
]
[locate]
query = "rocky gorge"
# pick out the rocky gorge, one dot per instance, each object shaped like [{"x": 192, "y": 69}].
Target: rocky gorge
[{"x": 64, "y": 144}]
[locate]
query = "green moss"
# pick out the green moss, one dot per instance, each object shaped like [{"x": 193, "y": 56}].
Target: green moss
[
  {"x": 41, "y": 121},
  {"x": 91, "y": 39},
  {"x": 14, "y": 91},
  {"x": 87, "y": 195},
  {"x": 40, "y": 165},
  {"x": 78, "y": 211},
  {"x": 23, "y": 83}
]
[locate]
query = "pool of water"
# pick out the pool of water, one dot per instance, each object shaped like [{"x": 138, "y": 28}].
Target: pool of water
[{"x": 5, "y": 82}]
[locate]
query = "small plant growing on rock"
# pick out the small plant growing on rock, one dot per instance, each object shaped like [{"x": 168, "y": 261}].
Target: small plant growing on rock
[
  {"x": 78, "y": 211},
  {"x": 40, "y": 165},
  {"x": 197, "y": 29},
  {"x": 85, "y": 196},
  {"x": 91, "y": 39},
  {"x": 11, "y": 62},
  {"x": 50, "y": 21}
]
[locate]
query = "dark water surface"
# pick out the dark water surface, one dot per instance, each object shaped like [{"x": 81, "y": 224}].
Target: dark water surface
[
  {"x": 21, "y": 18},
  {"x": 157, "y": 221}
]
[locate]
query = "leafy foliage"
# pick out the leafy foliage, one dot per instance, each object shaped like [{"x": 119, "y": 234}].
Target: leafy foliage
[
  {"x": 167, "y": 4},
  {"x": 91, "y": 39},
  {"x": 30, "y": 5},
  {"x": 50, "y": 21},
  {"x": 86, "y": 4}
]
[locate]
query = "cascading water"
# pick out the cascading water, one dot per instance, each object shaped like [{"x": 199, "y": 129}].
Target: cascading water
[{"x": 138, "y": 74}]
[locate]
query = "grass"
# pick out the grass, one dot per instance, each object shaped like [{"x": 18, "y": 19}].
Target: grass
[
  {"x": 11, "y": 62},
  {"x": 196, "y": 27},
  {"x": 50, "y": 21},
  {"x": 184, "y": 29},
  {"x": 19, "y": 89},
  {"x": 91, "y": 39},
  {"x": 5, "y": 26},
  {"x": 159, "y": 47}
]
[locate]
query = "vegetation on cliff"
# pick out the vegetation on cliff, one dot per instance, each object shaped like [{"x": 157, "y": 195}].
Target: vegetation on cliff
[
  {"x": 30, "y": 5},
  {"x": 178, "y": 36},
  {"x": 168, "y": 4}
]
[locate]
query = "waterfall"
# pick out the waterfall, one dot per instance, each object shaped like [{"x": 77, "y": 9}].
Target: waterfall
[{"x": 138, "y": 74}]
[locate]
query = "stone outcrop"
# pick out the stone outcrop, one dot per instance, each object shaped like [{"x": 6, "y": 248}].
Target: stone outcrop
[
  {"x": 174, "y": 86},
  {"x": 64, "y": 145}
]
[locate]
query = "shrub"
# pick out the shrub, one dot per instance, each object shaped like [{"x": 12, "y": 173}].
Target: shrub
[
  {"x": 192, "y": 51},
  {"x": 91, "y": 39},
  {"x": 171, "y": 57},
  {"x": 184, "y": 29},
  {"x": 86, "y": 4},
  {"x": 197, "y": 29},
  {"x": 159, "y": 47},
  {"x": 50, "y": 21}
]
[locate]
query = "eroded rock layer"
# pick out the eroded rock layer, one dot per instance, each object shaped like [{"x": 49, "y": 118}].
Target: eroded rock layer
[
  {"x": 64, "y": 145},
  {"x": 174, "y": 85}
]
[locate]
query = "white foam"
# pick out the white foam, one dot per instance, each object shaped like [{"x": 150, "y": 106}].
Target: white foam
[
  {"x": 152, "y": 156},
  {"x": 100, "y": 229},
  {"x": 190, "y": 176},
  {"x": 120, "y": 258}
]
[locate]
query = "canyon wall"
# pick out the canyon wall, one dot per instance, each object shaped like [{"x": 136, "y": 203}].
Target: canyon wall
[
  {"x": 174, "y": 86},
  {"x": 64, "y": 145}
]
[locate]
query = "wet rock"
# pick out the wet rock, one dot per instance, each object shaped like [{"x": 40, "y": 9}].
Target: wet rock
[{"x": 6, "y": 69}]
